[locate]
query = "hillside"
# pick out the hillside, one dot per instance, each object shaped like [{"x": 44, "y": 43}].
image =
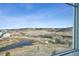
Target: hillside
[{"x": 44, "y": 40}]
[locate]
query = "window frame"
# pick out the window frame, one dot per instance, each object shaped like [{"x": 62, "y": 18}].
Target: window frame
[{"x": 75, "y": 31}]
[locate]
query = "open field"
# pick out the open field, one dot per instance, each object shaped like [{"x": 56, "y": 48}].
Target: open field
[{"x": 42, "y": 41}]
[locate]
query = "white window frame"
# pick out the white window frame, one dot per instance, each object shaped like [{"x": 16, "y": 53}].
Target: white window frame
[{"x": 75, "y": 30}]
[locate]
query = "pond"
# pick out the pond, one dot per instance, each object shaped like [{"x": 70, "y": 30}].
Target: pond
[{"x": 18, "y": 44}]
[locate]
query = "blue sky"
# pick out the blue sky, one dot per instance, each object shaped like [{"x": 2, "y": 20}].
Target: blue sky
[{"x": 40, "y": 15}]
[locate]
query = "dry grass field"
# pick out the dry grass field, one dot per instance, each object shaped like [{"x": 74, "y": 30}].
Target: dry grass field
[{"x": 35, "y": 41}]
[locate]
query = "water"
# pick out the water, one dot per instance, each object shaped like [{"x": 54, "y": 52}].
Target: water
[{"x": 18, "y": 44}]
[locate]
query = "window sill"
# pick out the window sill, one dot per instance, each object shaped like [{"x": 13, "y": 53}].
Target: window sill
[{"x": 69, "y": 52}]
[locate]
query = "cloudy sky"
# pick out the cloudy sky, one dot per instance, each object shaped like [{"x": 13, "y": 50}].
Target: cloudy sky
[{"x": 35, "y": 15}]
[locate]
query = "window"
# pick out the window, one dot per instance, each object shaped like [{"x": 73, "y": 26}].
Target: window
[{"x": 36, "y": 28}]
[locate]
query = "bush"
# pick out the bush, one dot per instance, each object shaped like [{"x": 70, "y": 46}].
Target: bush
[
  {"x": 45, "y": 36},
  {"x": 69, "y": 44},
  {"x": 7, "y": 54},
  {"x": 60, "y": 41},
  {"x": 53, "y": 53},
  {"x": 50, "y": 41}
]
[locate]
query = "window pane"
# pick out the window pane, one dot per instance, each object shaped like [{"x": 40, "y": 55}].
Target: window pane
[{"x": 35, "y": 28}]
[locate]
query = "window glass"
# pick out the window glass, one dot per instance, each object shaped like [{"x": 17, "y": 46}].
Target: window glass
[{"x": 35, "y": 28}]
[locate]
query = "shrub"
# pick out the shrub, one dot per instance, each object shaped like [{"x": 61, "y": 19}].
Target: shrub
[
  {"x": 45, "y": 36},
  {"x": 69, "y": 44},
  {"x": 7, "y": 54},
  {"x": 50, "y": 41},
  {"x": 53, "y": 53},
  {"x": 60, "y": 41}
]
